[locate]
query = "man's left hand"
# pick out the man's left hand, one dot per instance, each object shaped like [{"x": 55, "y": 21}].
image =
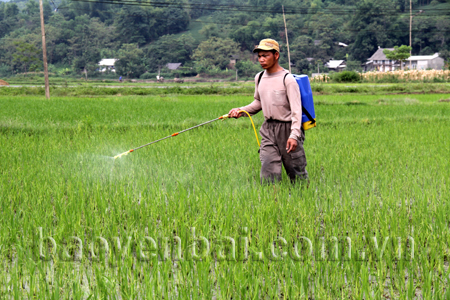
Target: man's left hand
[{"x": 291, "y": 145}]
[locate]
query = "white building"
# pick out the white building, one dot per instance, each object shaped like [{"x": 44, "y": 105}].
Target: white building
[
  {"x": 107, "y": 64},
  {"x": 336, "y": 65},
  {"x": 423, "y": 62}
]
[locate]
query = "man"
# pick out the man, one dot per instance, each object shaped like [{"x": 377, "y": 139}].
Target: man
[{"x": 277, "y": 94}]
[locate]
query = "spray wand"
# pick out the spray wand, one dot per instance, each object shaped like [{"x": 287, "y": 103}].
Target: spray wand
[{"x": 177, "y": 133}]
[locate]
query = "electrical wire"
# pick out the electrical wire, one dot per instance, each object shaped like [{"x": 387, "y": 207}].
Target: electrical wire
[
  {"x": 252, "y": 9},
  {"x": 259, "y": 26}
]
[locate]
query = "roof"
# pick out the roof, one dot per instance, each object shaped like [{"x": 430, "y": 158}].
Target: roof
[
  {"x": 107, "y": 62},
  {"x": 333, "y": 64},
  {"x": 423, "y": 57},
  {"x": 173, "y": 66},
  {"x": 310, "y": 58},
  {"x": 342, "y": 44},
  {"x": 379, "y": 55}
]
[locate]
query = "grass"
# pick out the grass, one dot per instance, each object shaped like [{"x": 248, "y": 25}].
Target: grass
[
  {"x": 378, "y": 166},
  {"x": 221, "y": 88}
]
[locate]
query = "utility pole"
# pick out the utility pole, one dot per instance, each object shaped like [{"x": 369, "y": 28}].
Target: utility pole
[
  {"x": 44, "y": 52},
  {"x": 410, "y": 29},
  {"x": 287, "y": 40},
  {"x": 410, "y": 26}
]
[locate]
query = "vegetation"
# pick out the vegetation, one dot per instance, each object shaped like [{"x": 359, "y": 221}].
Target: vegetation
[
  {"x": 79, "y": 34},
  {"x": 111, "y": 221},
  {"x": 347, "y": 76}
]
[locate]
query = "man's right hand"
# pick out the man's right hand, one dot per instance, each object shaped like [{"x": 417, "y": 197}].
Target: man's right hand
[{"x": 234, "y": 113}]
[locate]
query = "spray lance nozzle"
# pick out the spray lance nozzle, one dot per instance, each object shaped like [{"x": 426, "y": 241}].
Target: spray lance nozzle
[
  {"x": 122, "y": 154},
  {"x": 177, "y": 133}
]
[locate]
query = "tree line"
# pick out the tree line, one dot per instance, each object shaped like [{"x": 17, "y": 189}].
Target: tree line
[{"x": 203, "y": 37}]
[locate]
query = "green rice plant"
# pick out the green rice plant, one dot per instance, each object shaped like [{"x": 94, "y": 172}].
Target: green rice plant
[{"x": 372, "y": 223}]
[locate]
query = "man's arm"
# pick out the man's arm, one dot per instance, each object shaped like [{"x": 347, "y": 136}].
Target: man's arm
[{"x": 252, "y": 108}]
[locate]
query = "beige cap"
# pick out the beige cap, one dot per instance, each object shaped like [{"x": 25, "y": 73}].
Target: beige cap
[{"x": 267, "y": 45}]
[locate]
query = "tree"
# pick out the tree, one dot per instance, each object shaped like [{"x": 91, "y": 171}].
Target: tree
[
  {"x": 248, "y": 36},
  {"x": 373, "y": 29},
  {"x": 181, "y": 48},
  {"x": 445, "y": 54},
  {"x": 175, "y": 20},
  {"x": 137, "y": 25},
  {"x": 48, "y": 12},
  {"x": 142, "y": 24},
  {"x": 8, "y": 18},
  {"x": 399, "y": 53},
  {"x": 130, "y": 61},
  {"x": 2, "y": 9},
  {"x": 85, "y": 44},
  {"x": 443, "y": 28},
  {"x": 209, "y": 30},
  {"x": 26, "y": 56},
  {"x": 353, "y": 65},
  {"x": 11, "y": 10},
  {"x": 215, "y": 52},
  {"x": 32, "y": 8},
  {"x": 247, "y": 68}
]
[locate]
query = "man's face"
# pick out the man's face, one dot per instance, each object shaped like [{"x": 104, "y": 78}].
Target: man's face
[{"x": 267, "y": 59}]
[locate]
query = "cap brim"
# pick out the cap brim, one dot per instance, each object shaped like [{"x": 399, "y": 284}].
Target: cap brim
[{"x": 262, "y": 48}]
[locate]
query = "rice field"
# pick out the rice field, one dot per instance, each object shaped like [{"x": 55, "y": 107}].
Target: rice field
[{"x": 187, "y": 218}]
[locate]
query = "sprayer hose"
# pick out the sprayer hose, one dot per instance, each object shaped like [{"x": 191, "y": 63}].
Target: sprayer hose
[{"x": 253, "y": 124}]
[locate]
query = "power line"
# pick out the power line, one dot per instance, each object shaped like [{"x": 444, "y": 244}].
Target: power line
[
  {"x": 256, "y": 26},
  {"x": 259, "y": 26},
  {"x": 248, "y": 8}
]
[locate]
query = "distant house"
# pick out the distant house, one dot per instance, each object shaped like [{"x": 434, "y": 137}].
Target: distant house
[
  {"x": 336, "y": 65},
  {"x": 234, "y": 59},
  {"x": 379, "y": 62},
  {"x": 173, "y": 66},
  {"x": 423, "y": 62},
  {"x": 107, "y": 64}
]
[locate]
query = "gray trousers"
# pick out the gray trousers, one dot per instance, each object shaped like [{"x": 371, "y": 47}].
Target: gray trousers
[{"x": 273, "y": 153}]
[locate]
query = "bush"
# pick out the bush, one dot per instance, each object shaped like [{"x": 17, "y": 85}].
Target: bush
[{"x": 346, "y": 76}]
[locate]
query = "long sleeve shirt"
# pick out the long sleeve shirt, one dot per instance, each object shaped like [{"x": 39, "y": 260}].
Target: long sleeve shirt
[{"x": 278, "y": 101}]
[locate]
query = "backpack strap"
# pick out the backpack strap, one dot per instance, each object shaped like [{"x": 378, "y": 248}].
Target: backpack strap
[{"x": 260, "y": 76}]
